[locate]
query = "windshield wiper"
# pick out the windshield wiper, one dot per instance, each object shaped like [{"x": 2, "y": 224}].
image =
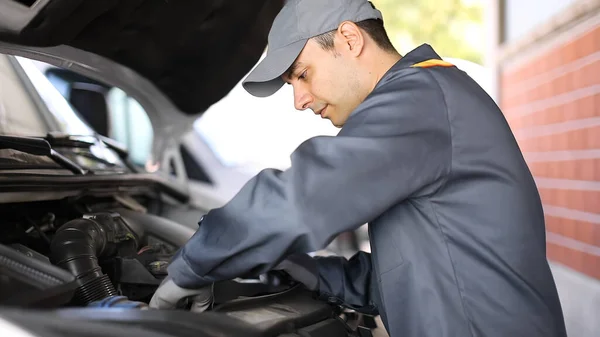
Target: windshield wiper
[
  {"x": 39, "y": 147},
  {"x": 57, "y": 139}
]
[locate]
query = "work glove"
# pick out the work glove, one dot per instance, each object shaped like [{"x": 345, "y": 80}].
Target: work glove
[
  {"x": 168, "y": 295},
  {"x": 302, "y": 268}
]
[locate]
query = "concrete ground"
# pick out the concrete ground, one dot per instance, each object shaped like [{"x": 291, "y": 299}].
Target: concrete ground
[{"x": 580, "y": 300}]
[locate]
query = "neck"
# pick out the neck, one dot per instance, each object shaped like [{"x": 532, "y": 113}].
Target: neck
[{"x": 381, "y": 64}]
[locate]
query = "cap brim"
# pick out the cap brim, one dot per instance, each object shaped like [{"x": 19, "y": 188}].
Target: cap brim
[{"x": 266, "y": 79}]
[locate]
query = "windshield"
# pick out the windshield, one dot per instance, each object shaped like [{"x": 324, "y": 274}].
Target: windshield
[
  {"x": 69, "y": 121},
  {"x": 18, "y": 112},
  {"x": 30, "y": 106},
  {"x": 81, "y": 104}
]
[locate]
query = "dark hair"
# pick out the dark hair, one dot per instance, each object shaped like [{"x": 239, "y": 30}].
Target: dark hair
[{"x": 373, "y": 27}]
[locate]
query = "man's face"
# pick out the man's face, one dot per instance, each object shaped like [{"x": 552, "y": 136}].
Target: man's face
[{"x": 325, "y": 82}]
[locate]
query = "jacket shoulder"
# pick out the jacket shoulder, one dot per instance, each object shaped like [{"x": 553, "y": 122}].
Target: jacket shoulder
[{"x": 404, "y": 97}]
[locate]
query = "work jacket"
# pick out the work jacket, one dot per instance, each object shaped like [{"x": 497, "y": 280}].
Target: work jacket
[{"x": 456, "y": 224}]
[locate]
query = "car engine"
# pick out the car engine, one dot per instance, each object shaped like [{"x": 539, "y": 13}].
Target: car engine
[
  {"x": 106, "y": 255},
  {"x": 82, "y": 260}
]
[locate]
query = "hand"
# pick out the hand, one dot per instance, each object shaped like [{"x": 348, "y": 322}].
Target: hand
[
  {"x": 302, "y": 268},
  {"x": 169, "y": 294}
]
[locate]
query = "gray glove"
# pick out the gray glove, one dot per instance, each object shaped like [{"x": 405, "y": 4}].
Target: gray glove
[
  {"x": 169, "y": 294},
  {"x": 302, "y": 268}
]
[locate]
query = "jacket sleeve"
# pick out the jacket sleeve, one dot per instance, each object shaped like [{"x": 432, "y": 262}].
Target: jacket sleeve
[
  {"x": 349, "y": 282},
  {"x": 395, "y": 145}
]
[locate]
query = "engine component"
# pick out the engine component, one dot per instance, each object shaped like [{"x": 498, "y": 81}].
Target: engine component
[
  {"x": 172, "y": 232},
  {"x": 79, "y": 243},
  {"x": 29, "y": 252},
  {"x": 27, "y": 281},
  {"x": 134, "y": 272},
  {"x": 155, "y": 259},
  {"x": 158, "y": 267},
  {"x": 118, "y": 302}
]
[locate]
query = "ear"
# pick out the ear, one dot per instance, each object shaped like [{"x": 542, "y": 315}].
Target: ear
[{"x": 351, "y": 38}]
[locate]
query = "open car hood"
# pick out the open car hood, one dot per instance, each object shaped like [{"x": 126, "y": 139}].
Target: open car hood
[{"x": 193, "y": 52}]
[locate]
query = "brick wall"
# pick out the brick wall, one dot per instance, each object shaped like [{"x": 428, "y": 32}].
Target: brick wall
[{"x": 552, "y": 102}]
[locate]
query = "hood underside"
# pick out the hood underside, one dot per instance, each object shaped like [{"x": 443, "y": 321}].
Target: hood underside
[{"x": 194, "y": 51}]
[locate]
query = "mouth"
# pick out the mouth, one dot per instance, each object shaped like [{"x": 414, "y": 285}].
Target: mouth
[{"x": 322, "y": 111}]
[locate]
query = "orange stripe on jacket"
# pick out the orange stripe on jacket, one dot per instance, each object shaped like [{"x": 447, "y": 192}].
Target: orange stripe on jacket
[{"x": 432, "y": 63}]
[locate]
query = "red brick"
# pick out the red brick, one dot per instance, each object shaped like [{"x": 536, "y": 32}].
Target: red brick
[
  {"x": 587, "y": 170},
  {"x": 552, "y": 252},
  {"x": 591, "y": 265},
  {"x": 586, "y": 107},
  {"x": 586, "y": 201},
  {"x": 578, "y": 76},
  {"x": 557, "y": 56},
  {"x": 583, "y": 139},
  {"x": 522, "y": 75},
  {"x": 570, "y": 83},
  {"x": 578, "y": 79},
  {"x": 569, "y": 112},
  {"x": 589, "y": 77},
  {"x": 586, "y": 44},
  {"x": 584, "y": 234},
  {"x": 548, "y": 90},
  {"x": 554, "y": 225},
  {"x": 556, "y": 60},
  {"x": 507, "y": 102},
  {"x": 570, "y": 54},
  {"x": 596, "y": 38},
  {"x": 559, "y": 86},
  {"x": 555, "y": 252},
  {"x": 576, "y": 259}
]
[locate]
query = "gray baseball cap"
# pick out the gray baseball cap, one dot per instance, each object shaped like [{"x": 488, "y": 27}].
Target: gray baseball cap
[{"x": 298, "y": 21}]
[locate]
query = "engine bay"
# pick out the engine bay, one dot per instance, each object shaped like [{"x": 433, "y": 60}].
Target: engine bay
[
  {"x": 96, "y": 260},
  {"x": 105, "y": 254}
]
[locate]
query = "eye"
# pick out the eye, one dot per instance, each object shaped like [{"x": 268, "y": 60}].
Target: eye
[{"x": 302, "y": 76}]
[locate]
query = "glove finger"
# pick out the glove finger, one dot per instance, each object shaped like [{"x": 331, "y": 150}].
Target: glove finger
[
  {"x": 159, "y": 302},
  {"x": 169, "y": 294},
  {"x": 203, "y": 300},
  {"x": 200, "y": 306}
]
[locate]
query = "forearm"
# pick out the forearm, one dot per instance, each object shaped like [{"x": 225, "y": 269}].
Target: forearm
[{"x": 248, "y": 236}]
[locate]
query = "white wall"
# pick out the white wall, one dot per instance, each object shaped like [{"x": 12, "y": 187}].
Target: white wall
[{"x": 524, "y": 15}]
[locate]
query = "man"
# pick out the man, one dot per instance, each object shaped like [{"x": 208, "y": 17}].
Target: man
[{"x": 424, "y": 156}]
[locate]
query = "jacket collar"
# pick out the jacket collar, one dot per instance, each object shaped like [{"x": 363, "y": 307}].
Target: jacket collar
[{"x": 422, "y": 53}]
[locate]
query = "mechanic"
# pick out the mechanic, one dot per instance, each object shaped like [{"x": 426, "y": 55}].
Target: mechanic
[{"x": 424, "y": 156}]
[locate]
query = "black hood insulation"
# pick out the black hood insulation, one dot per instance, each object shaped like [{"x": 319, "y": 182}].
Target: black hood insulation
[{"x": 193, "y": 51}]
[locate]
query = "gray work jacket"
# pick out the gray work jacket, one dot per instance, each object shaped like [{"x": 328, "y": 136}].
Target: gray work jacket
[{"x": 455, "y": 220}]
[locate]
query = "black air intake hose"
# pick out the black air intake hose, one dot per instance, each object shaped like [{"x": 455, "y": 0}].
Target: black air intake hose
[{"x": 77, "y": 246}]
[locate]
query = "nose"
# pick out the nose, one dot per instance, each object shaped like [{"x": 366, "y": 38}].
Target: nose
[{"x": 302, "y": 98}]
